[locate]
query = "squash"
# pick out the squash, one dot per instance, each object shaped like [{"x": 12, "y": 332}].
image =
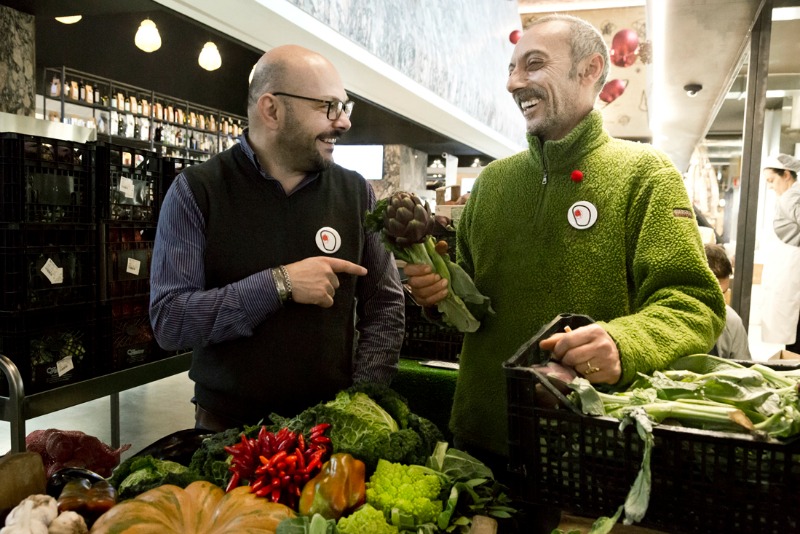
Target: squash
[{"x": 201, "y": 508}]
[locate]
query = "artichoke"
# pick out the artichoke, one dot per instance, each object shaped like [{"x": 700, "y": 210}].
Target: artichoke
[{"x": 407, "y": 220}]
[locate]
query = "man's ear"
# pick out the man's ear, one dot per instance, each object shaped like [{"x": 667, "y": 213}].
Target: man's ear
[
  {"x": 268, "y": 110},
  {"x": 591, "y": 69}
]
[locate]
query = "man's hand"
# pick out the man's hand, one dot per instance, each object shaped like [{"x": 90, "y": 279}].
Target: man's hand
[
  {"x": 314, "y": 280},
  {"x": 427, "y": 287},
  {"x": 589, "y": 350}
]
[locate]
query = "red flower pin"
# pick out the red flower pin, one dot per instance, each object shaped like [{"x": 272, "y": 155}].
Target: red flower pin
[{"x": 577, "y": 176}]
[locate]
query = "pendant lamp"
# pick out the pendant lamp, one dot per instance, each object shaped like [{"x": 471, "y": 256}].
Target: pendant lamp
[
  {"x": 147, "y": 36},
  {"x": 209, "y": 57},
  {"x": 72, "y": 19}
]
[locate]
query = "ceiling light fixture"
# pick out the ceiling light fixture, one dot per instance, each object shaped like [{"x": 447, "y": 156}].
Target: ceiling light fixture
[
  {"x": 209, "y": 57},
  {"x": 147, "y": 36},
  {"x": 72, "y": 19}
]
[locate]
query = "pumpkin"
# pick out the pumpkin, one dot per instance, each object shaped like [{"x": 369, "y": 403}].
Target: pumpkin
[{"x": 201, "y": 508}]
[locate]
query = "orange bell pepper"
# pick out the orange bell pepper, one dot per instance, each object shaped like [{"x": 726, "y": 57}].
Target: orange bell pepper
[{"x": 337, "y": 489}]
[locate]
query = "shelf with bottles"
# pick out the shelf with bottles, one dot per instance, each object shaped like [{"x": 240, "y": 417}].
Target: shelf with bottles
[{"x": 122, "y": 111}]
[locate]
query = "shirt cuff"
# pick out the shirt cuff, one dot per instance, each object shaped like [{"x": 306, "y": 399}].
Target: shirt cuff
[{"x": 259, "y": 296}]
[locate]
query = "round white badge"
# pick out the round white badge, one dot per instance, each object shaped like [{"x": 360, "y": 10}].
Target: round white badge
[
  {"x": 582, "y": 215},
  {"x": 328, "y": 240}
]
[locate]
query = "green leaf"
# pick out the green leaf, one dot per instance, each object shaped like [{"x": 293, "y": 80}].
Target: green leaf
[
  {"x": 591, "y": 402},
  {"x": 603, "y": 525}
]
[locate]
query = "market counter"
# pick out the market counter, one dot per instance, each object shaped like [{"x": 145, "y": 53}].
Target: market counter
[{"x": 429, "y": 391}]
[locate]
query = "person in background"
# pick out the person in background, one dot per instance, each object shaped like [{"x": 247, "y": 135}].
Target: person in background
[
  {"x": 579, "y": 223},
  {"x": 732, "y": 343},
  {"x": 780, "y": 319},
  {"x": 262, "y": 265}
]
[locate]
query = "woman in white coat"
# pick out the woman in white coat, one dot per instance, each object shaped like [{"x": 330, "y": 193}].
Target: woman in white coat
[{"x": 781, "y": 275}]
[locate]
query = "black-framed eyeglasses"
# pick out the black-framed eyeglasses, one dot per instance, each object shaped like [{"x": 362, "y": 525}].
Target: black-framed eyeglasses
[{"x": 335, "y": 107}]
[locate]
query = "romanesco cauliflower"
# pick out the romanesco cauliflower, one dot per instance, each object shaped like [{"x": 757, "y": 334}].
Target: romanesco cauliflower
[
  {"x": 365, "y": 519},
  {"x": 411, "y": 489}
]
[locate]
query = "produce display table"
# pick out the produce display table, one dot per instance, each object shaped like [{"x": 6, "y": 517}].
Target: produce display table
[{"x": 18, "y": 407}]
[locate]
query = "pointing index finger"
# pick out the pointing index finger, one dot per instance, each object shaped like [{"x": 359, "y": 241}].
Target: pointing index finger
[{"x": 343, "y": 266}]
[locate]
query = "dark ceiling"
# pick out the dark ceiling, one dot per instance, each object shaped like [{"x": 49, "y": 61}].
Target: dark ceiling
[{"x": 102, "y": 44}]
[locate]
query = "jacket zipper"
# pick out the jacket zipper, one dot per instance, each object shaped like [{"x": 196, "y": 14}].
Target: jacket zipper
[{"x": 544, "y": 164}]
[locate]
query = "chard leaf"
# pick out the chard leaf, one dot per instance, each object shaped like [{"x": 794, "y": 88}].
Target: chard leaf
[
  {"x": 603, "y": 525},
  {"x": 456, "y": 314},
  {"x": 591, "y": 403},
  {"x": 463, "y": 286},
  {"x": 703, "y": 364},
  {"x": 638, "y": 498}
]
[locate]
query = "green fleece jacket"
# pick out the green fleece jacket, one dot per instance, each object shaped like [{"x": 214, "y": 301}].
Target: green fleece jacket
[{"x": 639, "y": 270}]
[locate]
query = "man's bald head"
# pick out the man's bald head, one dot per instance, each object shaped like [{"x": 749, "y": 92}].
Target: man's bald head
[{"x": 286, "y": 68}]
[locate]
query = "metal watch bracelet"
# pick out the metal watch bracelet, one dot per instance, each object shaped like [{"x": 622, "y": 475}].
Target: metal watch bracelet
[{"x": 280, "y": 284}]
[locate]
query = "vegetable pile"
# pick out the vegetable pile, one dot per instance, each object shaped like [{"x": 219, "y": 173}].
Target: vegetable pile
[
  {"x": 361, "y": 462},
  {"x": 405, "y": 224},
  {"x": 698, "y": 391}
]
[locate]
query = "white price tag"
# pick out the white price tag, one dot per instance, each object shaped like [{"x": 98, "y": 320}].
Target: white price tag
[
  {"x": 64, "y": 365},
  {"x": 53, "y": 272},
  {"x": 133, "y": 266},
  {"x": 126, "y": 187}
]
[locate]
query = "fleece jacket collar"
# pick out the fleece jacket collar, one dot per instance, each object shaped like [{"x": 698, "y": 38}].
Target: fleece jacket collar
[{"x": 586, "y": 137}]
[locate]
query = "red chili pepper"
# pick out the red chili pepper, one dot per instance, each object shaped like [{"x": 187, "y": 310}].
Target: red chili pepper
[
  {"x": 263, "y": 492},
  {"x": 322, "y": 427},
  {"x": 277, "y": 457},
  {"x": 301, "y": 441},
  {"x": 234, "y": 482},
  {"x": 258, "y": 484},
  {"x": 320, "y": 440},
  {"x": 276, "y": 494},
  {"x": 301, "y": 461},
  {"x": 313, "y": 464}
]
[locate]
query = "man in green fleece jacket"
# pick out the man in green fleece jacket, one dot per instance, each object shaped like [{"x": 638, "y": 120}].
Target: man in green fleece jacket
[{"x": 578, "y": 223}]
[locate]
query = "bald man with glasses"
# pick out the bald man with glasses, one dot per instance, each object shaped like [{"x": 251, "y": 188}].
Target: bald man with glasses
[{"x": 262, "y": 265}]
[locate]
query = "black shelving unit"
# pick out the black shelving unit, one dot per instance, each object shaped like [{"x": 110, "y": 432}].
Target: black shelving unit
[
  {"x": 139, "y": 117},
  {"x": 18, "y": 407}
]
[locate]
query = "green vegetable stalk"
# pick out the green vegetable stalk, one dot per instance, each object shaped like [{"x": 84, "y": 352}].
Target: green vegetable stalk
[{"x": 405, "y": 224}]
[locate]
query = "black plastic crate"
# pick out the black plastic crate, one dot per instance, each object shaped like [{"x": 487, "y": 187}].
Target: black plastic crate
[
  {"x": 125, "y": 261},
  {"x": 51, "y": 348},
  {"x": 426, "y": 340},
  {"x": 702, "y": 481},
  {"x": 126, "y": 335},
  {"x": 47, "y": 265},
  {"x": 128, "y": 183},
  {"x": 45, "y": 180}
]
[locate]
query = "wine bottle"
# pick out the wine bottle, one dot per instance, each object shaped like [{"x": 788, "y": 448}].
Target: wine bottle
[{"x": 81, "y": 91}]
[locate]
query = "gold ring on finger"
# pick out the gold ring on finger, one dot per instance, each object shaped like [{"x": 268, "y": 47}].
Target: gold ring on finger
[{"x": 590, "y": 369}]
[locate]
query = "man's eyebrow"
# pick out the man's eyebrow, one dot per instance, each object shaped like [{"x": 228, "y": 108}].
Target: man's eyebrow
[{"x": 526, "y": 56}]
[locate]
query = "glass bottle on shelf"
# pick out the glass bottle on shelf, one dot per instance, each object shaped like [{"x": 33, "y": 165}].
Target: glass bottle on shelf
[
  {"x": 55, "y": 86},
  {"x": 114, "y": 123},
  {"x": 81, "y": 91}
]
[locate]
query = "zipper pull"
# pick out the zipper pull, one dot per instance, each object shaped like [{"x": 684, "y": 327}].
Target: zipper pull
[{"x": 544, "y": 178}]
